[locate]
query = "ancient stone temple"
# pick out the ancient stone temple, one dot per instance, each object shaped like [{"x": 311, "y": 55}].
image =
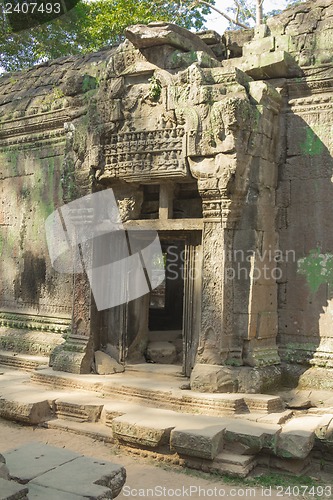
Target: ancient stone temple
[{"x": 223, "y": 145}]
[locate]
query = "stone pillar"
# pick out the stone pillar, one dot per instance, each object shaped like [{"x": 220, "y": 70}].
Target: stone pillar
[
  {"x": 216, "y": 339},
  {"x": 76, "y": 355}
]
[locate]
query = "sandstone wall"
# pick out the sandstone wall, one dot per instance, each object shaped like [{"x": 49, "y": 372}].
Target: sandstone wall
[
  {"x": 248, "y": 103},
  {"x": 35, "y": 179}
]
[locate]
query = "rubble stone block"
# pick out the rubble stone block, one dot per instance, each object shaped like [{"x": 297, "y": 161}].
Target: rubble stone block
[
  {"x": 105, "y": 365},
  {"x": 252, "y": 434},
  {"x": 20, "y": 407}
]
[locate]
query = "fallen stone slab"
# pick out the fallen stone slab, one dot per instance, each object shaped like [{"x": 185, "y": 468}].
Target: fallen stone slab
[
  {"x": 254, "y": 435},
  {"x": 9, "y": 490},
  {"x": 34, "y": 459},
  {"x": 198, "y": 437},
  {"x": 85, "y": 476},
  {"x": 150, "y": 427},
  {"x": 28, "y": 408},
  {"x": 300, "y": 401},
  {"x": 297, "y": 437},
  {"x": 105, "y": 365}
]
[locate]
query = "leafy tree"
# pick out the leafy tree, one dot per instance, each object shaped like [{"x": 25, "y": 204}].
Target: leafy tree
[
  {"x": 246, "y": 13},
  {"x": 88, "y": 27}
]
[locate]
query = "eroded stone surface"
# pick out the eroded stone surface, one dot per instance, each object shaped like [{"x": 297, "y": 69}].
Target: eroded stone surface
[{"x": 198, "y": 438}]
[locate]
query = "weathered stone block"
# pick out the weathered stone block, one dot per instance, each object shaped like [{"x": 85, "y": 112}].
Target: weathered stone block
[
  {"x": 22, "y": 408},
  {"x": 162, "y": 352},
  {"x": 160, "y": 33},
  {"x": 278, "y": 64},
  {"x": 212, "y": 378},
  {"x": 149, "y": 428},
  {"x": 259, "y": 46},
  {"x": 198, "y": 439},
  {"x": 105, "y": 365},
  {"x": 297, "y": 437},
  {"x": 254, "y": 435}
]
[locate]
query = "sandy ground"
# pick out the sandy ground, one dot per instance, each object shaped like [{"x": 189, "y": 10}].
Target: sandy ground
[{"x": 144, "y": 478}]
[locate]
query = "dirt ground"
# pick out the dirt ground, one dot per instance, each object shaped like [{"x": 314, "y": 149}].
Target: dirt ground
[{"x": 144, "y": 478}]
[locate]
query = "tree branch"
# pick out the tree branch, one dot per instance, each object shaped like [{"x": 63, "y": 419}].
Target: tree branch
[
  {"x": 234, "y": 21},
  {"x": 246, "y": 12}
]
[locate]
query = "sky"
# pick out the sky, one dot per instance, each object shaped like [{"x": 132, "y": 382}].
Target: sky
[{"x": 216, "y": 22}]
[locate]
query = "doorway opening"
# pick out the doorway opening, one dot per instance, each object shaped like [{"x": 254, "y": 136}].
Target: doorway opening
[
  {"x": 166, "y": 304},
  {"x": 174, "y": 306}
]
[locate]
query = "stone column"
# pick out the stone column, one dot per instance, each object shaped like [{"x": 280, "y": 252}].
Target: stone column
[{"x": 76, "y": 355}]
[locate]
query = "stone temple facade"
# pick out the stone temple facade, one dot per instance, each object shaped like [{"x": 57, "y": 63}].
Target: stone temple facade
[{"x": 223, "y": 145}]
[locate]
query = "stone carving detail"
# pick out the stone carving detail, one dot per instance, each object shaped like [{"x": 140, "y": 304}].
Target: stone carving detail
[{"x": 157, "y": 153}]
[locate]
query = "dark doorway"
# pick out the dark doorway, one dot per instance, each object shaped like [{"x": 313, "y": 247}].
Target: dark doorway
[
  {"x": 174, "y": 306},
  {"x": 166, "y": 301}
]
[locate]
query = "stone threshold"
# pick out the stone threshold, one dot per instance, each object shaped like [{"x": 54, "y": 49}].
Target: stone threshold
[{"x": 161, "y": 392}]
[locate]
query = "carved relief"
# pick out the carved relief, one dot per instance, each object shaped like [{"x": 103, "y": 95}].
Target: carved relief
[{"x": 145, "y": 153}]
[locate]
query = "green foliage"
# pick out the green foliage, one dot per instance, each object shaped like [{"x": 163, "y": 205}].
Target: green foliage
[
  {"x": 317, "y": 268},
  {"x": 245, "y": 11},
  {"x": 155, "y": 88},
  {"x": 88, "y": 27}
]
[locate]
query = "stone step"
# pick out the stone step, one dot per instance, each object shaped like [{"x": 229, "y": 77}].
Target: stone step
[
  {"x": 79, "y": 407},
  {"x": 95, "y": 430},
  {"x": 22, "y": 361},
  {"x": 150, "y": 428},
  {"x": 116, "y": 408},
  {"x": 165, "y": 393},
  {"x": 234, "y": 464}
]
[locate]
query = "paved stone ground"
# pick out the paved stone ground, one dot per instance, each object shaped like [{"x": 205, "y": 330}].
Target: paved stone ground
[{"x": 143, "y": 476}]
